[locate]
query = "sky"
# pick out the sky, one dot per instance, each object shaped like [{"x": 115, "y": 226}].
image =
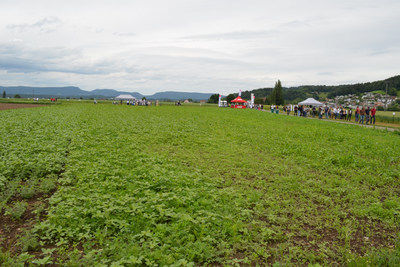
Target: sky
[{"x": 216, "y": 46}]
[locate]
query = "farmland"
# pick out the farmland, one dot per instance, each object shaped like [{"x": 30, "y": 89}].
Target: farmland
[{"x": 114, "y": 185}]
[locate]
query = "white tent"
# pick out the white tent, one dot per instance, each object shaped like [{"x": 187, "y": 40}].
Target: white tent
[
  {"x": 311, "y": 101},
  {"x": 125, "y": 97}
]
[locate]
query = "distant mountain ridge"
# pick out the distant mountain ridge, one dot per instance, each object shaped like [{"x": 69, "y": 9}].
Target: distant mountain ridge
[{"x": 72, "y": 91}]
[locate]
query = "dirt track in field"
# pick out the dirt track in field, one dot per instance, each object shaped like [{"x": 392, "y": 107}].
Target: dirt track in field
[{"x": 4, "y": 106}]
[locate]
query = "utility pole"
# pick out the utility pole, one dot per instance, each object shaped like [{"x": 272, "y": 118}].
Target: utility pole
[{"x": 33, "y": 93}]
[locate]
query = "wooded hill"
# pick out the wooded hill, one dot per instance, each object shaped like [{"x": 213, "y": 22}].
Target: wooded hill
[{"x": 305, "y": 91}]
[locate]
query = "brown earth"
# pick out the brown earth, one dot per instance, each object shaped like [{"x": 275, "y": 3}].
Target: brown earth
[{"x": 4, "y": 106}]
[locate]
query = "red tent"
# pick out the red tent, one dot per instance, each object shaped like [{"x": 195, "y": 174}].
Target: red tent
[{"x": 239, "y": 100}]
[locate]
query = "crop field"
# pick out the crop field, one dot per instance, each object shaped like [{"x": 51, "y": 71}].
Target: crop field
[{"x": 107, "y": 185}]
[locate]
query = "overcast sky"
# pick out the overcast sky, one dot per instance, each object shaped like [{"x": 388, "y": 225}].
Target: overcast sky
[{"x": 216, "y": 46}]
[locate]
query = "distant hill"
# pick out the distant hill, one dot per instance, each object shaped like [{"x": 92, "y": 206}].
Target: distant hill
[{"x": 72, "y": 91}]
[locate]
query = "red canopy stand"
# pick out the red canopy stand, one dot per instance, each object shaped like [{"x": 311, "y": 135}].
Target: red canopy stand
[{"x": 238, "y": 102}]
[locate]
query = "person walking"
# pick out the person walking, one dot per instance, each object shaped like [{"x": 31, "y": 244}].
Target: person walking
[
  {"x": 373, "y": 112},
  {"x": 357, "y": 113},
  {"x": 362, "y": 114},
  {"x": 367, "y": 112}
]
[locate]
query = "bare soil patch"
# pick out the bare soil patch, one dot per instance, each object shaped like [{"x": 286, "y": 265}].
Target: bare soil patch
[{"x": 4, "y": 106}]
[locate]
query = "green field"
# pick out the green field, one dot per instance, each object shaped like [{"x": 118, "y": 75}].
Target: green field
[{"x": 111, "y": 185}]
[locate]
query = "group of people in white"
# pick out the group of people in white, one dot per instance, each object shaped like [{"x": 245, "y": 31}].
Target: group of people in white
[{"x": 137, "y": 102}]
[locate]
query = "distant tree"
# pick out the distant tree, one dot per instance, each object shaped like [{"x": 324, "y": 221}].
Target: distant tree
[
  {"x": 392, "y": 92},
  {"x": 144, "y": 98},
  {"x": 297, "y": 100},
  {"x": 230, "y": 97},
  {"x": 398, "y": 101},
  {"x": 276, "y": 95},
  {"x": 67, "y": 97},
  {"x": 4, "y": 94},
  {"x": 17, "y": 96},
  {"x": 258, "y": 101},
  {"x": 190, "y": 100},
  {"x": 315, "y": 96},
  {"x": 81, "y": 98},
  {"x": 213, "y": 99},
  {"x": 267, "y": 101}
]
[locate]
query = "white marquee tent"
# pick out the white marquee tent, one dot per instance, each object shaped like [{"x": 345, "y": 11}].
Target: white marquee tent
[
  {"x": 125, "y": 97},
  {"x": 311, "y": 101}
]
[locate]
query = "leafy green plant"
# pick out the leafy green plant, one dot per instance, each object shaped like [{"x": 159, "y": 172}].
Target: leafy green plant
[
  {"x": 27, "y": 191},
  {"x": 16, "y": 210},
  {"x": 47, "y": 184},
  {"x": 28, "y": 240}
]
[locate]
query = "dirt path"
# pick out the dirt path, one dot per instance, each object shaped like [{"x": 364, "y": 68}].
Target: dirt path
[
  {"x": 346, "y": 122},
  {"x": 4, "y": 106}
]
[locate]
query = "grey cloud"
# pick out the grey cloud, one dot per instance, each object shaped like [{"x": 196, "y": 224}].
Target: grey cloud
[
  {"x": 234, "y": 35},
  {"x": 45, "y": 25}
]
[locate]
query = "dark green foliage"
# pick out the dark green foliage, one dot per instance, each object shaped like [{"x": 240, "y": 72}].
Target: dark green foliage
[
  {"x": 144, "y": 98},
  {"x": 392, "y": 92},
  {"x": 230, "y": 97},
  {"x": 4, "y": 94},
  {"x": 258, "y": 101},
  {"x": 380, "y": 108},
  {"x": 276, "y": 95},
  {"x": 213, "y": 99},
  {"x": 17, "y": 96}
]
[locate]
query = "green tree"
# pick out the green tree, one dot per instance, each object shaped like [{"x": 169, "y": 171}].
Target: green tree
[
  {"x": 213, "y": 99},
  {"x": 392, "y": 92},
  {"x": 276, "y": 97},
  {"x": 4, "y": 94},
  {"x": 190, "y": 100},
  {"x": 230, "y": 97},
  {"x": 144, "y": 98},
  {"x": 81, "y": 98},
  {"x": 258, "y": 101},
  {"x": 17, "y": 96},
  {"x": 297, "y": 100}
]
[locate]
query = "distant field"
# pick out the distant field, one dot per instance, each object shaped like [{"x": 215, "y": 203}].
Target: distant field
[
  {"x": 379, "y": 92},
  {"x": 388, "y": 113}
]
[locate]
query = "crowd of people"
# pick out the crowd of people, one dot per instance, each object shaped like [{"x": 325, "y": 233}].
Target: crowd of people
[
  {"x": 341, "y": 113},
  {"x": 136, "y": 102}
]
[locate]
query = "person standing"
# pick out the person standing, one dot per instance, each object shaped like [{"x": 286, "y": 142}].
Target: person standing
[
  {"x": 373, "y": 112},
  {"x": 357, "y": 113},
  {"x": 295, "y": 110},
  {"x": 362, "y": 114},
  {"x": 349, "y": 114},
  {"x": 367, "y": 112},
  {"x": 320, "y": 112},
  {"x": 326, "y": 112}
]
